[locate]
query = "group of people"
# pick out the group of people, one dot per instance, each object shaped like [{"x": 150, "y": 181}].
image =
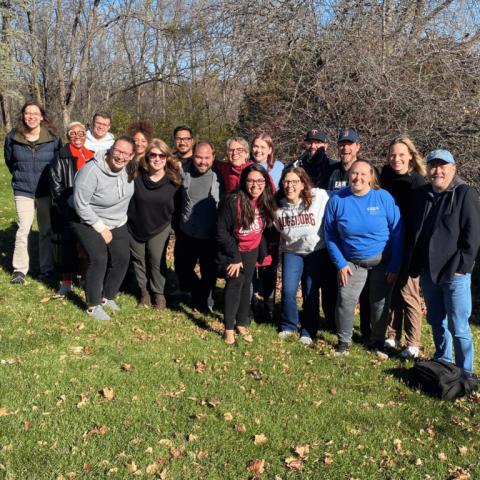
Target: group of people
[{"x": 343, "y": 228}]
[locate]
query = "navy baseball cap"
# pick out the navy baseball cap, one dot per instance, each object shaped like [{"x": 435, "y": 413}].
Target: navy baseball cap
[
  {"x": 348, "y": 135},
  {"x": 444, "y": 155},
  {"x": 316, "y": 135}
]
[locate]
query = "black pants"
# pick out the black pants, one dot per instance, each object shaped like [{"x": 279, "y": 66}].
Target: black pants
[
  {"x": 188, "y": 252},
  {"x": 107, "y": 262},
  {"x": 264, "y": 283},
  {"x": 329, "y": 286},
  {"x": 237, "y": 291}
]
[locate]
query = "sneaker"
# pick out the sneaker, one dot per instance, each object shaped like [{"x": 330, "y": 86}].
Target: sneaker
[
  {"x": 98, "y": 312},
  {"x": 391, "y": 343},
  {"x": 379, "y": 349},
  {"x": 63, "y": 291},
  {"x": 410, "y": 352},
  {"x": 285, "y": 334},
  {"x": 366, "y": 340},
  {"x": 18, "y": 277},
  {"x": 47, "y": 276},
  {"x": 181, "y": 293},
  {"x": 342, "y": 349},
  {"x": 306, "y": 340},
  {"x": 110, "y": 304}
]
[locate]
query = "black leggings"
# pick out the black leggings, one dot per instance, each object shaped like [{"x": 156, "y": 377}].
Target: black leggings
[
  {"x": 237, "y": 291},
  {"x": 107, "y": 262}
]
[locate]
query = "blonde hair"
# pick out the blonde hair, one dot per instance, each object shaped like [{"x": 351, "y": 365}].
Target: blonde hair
[
  {"x": 172, "y": 167},
  {"x": 416, "y": 163},
  {"x": 374, "y": 182}
]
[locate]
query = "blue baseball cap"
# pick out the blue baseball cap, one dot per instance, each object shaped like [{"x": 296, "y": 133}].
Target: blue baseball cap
[
  {"x": 348, "y": 135},
  {"x": 444, "y": 155}
]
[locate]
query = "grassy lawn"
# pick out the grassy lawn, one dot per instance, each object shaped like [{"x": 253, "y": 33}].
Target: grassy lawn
[{"x": 160, "y": 396}]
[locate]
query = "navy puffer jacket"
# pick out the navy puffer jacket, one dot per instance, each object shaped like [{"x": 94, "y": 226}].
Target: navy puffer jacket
[{"x": 29, "y": 165}]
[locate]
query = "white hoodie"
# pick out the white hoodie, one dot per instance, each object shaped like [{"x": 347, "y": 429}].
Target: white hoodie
[
  {"x": 97, "y": 145},
  {"x": 301, "y": 231}
]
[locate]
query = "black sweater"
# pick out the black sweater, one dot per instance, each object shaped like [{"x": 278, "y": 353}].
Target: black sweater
[
  {"x": 401, "y": 188},
  {"x": 151, "y": 207}
]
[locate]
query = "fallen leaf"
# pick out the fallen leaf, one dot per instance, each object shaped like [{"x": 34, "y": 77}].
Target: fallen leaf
[
  {"x": 333, "y": 391},
  {"x": 246, "y": 353},
  {"x": 87, "y": 350},
  {"x": 7, "y": 447},
  {"x": 383, "y": 453},
  {"x": 302, "y": 450},
  {"x": 241, "y": 428},
  {"x": 112, "y": 470},
  {"x": 149, "y": 450},
  {"x": 44, "y": 300},
  {"x": 192, "y": 438},
  {"x": 214, "y": 402},
  {"x": 129, "y": 368},
  {"x": 83, "y": 402},
  {"x": 2, "y": 467},
  {"x": 317, "y": 404},
  {"x": 418, "y": 462},
  {"x": 200, "y": 366},
  {"x": 328, "y": 461},
  {"x": 132, "y": 468},
  {"x": 135, "y": 441},
  {"x": 201, "y": 455},
  {"x": 61, "y": 477},
  {"x": 108, "y": 394},
  {"x": 293, "y": 463},
  {"x": 175, "y": 453},
  {"x": 199, "y": 416},
  {"x": 257, "y": 466},
  {"x": 81, "y": 326},
  {"x": 71, "y": 474},
  {"x": 462, "y": 451},
  {"x": 442, "y": 457},
  {"x": 260, "y": 439},
  {"x": 228, "y": 416},
  {"x": 397, "y": 445},
  {"x": 3, "y": 411},
  {"x": 152, "y": 468},
  {"x": 28, "y": 425},
  {"x": 248, "y": 338},
  {"x": 165, "y": 441},
  {"x": 279, "y": 343},
  {"x": 87, "y": 466}
]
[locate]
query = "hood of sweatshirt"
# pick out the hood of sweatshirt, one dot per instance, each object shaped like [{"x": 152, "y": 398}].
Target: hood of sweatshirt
[
  {"x": 456, "y": 182},
  {"x": 121, "y": 175}
]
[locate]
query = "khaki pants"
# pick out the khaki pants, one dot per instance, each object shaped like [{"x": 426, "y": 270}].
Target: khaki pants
[
  {"x": 406, "y": 306},
  {"x": 26, "y": 211}
]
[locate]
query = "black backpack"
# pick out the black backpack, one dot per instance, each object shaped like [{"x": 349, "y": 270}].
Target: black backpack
[{"x": 442, "y": 379}]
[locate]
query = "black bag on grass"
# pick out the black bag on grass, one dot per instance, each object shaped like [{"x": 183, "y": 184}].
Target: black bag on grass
[{"x": 442, "y": 379}]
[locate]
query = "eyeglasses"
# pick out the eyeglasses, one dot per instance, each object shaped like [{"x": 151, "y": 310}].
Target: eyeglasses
[
  {"x": 182, "y": 140},
  {"x": 250, "y": 181},
  {"x": 100, "y": 124},
  {"x": 119, "y": 153},
  {"x": 32, "y": 114},
  {"x": 232, "y": 151},
  {"x": 79, "y": 134},
  {"x": 291, "y": 182},
  {"x": 161, "y": 156}
]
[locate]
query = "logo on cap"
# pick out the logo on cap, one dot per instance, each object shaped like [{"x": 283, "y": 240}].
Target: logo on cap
[
  {"x": 345, "y": 133},
  {"x": 439, "y": 154},
  {"x": 314, "y": 132}
]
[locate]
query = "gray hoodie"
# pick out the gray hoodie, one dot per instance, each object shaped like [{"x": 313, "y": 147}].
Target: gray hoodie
[{"x": 100, "y": 196}]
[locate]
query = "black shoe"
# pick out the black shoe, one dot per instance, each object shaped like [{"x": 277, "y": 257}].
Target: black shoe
[
  {"x": 366, "y": 341},
  {"x": 379, "y": 349},
  {"x": 342, "y": 349},
  {"x": 47, "y": 276},
  {"x": 18, "y": 277}
]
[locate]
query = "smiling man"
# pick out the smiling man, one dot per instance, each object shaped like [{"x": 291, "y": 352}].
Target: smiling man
[
  {"x": 183, "y": 138},
  {"x": 446, "y": 222},
  {"x": 199, "y": 197},
  {"x": 99, "y": 138}
]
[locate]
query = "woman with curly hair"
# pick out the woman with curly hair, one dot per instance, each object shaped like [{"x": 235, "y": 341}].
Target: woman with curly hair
[
  {"x": 149, "y": 220},
  {"x": 243, "y": 215},
  {"x": 299, "y": 219},
  {"x": 142, "y": 133}
]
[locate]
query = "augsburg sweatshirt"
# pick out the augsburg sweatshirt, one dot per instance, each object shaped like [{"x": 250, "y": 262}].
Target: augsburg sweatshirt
[
  {"x": 101, "y": 196},
  {"x": 301, "y": 232}
]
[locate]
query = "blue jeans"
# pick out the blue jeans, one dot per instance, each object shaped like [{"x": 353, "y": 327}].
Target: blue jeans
[
  {"x": 449, "y": 306},
  {"x": 308, "y": 269}
]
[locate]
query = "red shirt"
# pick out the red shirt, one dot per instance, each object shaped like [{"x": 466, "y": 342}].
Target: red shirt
[
  {"x": 230, "y": 174},
  {"x": 249, "y": 239},
  {"x": 83, "y": 155}
]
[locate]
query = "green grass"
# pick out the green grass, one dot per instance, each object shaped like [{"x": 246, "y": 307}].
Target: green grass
[{"x": 164, "y": 406}]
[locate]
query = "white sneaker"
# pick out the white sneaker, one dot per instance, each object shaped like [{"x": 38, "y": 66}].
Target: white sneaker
[
  {"x": 410, "y": 352},
  {"x": 391, "y": 343},
  {"x": 306, "y": 340},
  {"x": 63, "y": 291},
  {"x": 285, "y": 334}
]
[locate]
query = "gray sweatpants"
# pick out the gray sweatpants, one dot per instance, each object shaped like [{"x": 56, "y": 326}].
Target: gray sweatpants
[{"x": 372, "y": 270}]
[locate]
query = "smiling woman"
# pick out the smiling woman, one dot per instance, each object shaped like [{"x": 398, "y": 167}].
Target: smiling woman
[{"x": 101, "y": 194}]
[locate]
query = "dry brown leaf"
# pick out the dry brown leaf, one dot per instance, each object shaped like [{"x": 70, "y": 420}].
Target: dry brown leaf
[
  {"x": 317, "y": 404},
  {"x": 260, "y": 439},
  {"x": 192, "y": 438},
  {"x": 241, "y": 428},
  {"x": 71, "y": 474},
  {"x": 135, "y": 441},
  {"x": 80, "y": 326},
  {"x": 248, "y": 338},
  {"x": 2, "y": 467},
  {"x": 132, "y": 468},
  {"x": 302, "y": 450},
  {"x": 199, "y": 416},
  {"x": 83, "y": 401},
  {"x": 462, "y": 451},
  {"x": 152, "y": 468},
  {"x": 333, "y": 391},
  {"x": 28, "y": 425},
  {"x": 200, "y": 366},
  {"x": 163, "y": 475},
  {"x": 165, "y": 441},
  {"x": 112, "y": 470},
  {"x": 418, "y": 462},
  {"x": 7, "y": 447},
  {"x": 442, "y": 457},
  {"x": 128, "y": 368},
  {"x": 246, "y": 353},
  {"x": 44, "y": 300},
  {"x": 201, "y": 455},
  {"x": 61, "y": 477},
  {"x": 175, "y": 453},
  {"x": 293, "y": 463},
  {"x": 87, "y": 466},
  {"x": 397, "y": 445},
  {"x": 228, "y": 416},
  {"x": 257, "y": 466},
  {"x": 3, "y": 411},
  {"x": 279, "y": 343},
  {"x": 328, "y": 461},
  {"x": 149, "y": 450},
  {"x": 383, "y": 453},
  {"x": 108, "y": 394}
]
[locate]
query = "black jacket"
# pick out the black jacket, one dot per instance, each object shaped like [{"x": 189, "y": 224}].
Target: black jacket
[
  {"x": 455, "y": 236},
  {"x": 29, "y": 165},
  {"x": 226, "y": 238}
]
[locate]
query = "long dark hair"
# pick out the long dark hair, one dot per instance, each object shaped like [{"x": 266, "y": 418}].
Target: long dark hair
[
  {"x": 306, "y": 194},
  {"x": 268, "y": 140},
  {"x": 132, "y": 167},
  {"x": 172, "y": 167},
  {"x": 22, "y": 128},
  {"x": 265, "y": 203}
]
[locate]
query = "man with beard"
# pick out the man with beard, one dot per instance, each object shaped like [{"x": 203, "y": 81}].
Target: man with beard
[
  {"x": 314, "y": 161},
  {"x": 197, "y": 201},
  {"x": 335, "y": 178},
  {"x": 183, "y": 138}
]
